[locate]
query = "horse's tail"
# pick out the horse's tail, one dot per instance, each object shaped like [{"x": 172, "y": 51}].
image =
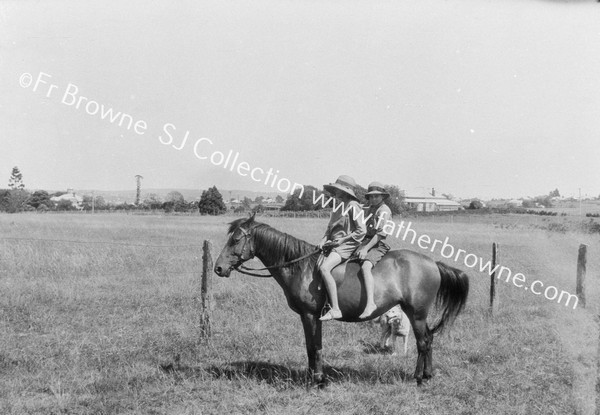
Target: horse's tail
[{"x": 452, "y": 294}]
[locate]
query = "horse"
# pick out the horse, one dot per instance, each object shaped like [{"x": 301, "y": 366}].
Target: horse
[{"x": 414, "y": 281}]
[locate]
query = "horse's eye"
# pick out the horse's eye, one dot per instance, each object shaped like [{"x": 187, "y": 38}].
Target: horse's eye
[{"x": 234, "y": 240}]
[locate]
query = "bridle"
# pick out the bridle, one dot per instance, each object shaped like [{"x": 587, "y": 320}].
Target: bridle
[
  {"x": 239, "y": 267},
  {"x": 247, "y": 236}
]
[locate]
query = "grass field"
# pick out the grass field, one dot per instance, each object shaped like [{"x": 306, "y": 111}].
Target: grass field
[{"x": 111, "y": 326}]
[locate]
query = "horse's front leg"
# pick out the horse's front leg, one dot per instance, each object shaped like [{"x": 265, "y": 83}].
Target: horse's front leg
[{"x": 312, "y": 335}]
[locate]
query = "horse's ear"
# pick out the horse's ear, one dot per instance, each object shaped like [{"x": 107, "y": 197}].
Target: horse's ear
[{"x": 251, "y": 217}]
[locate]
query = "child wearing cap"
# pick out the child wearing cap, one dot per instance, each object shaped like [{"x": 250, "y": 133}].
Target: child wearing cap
[
  {"x": 373, "y": 247},
  {"x": 344, "y": 234}
]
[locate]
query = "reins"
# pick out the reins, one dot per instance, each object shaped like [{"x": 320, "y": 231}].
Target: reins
[{"x": 245, "y": 270}]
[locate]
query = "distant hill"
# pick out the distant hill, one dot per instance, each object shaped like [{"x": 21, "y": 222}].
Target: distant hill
[{"x": 128, "y": 196}]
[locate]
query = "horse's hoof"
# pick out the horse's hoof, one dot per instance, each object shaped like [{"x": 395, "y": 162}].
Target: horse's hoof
[
  {"x": 423, "y": 381},
  {"x": 319, "y": 382}
]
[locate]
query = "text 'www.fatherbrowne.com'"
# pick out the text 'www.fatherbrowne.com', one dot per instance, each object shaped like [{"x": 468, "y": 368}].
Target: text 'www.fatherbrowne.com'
[{"x": 405, "y": 231}]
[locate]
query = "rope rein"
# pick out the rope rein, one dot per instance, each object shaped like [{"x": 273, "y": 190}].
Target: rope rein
[
  {"x": 245, "y": 270},
  {"x": 285, "y": 264}
]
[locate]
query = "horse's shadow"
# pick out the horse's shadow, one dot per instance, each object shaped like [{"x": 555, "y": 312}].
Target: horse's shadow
[{"x": 279, "y": 375}]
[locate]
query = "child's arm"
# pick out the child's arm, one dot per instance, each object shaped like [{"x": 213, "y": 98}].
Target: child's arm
[{"x": 362, "y": 252}]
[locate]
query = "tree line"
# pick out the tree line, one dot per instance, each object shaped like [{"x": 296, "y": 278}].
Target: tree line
[
  {"x": 17, "y": 199},
  {"x": 303, "y": 201}
]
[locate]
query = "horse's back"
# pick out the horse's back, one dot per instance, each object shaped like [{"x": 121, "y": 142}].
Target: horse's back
[{"x": 398, "y": 277}]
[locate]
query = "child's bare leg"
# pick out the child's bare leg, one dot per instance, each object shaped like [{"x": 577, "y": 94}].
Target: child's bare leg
[
  {"x": 370, "y": 307},
  {"x": 326, "y": 266}
]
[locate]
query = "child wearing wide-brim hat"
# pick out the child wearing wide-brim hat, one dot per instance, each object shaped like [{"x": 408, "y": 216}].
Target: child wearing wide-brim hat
[
  {"x": 344, "y": 234},
  {"x": 373, "y": 247}
]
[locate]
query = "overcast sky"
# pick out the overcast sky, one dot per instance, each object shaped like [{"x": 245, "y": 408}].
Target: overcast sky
[{"x": 473, "y": 97}]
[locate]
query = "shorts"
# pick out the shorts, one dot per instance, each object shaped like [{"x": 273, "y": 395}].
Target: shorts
[
  {"x": 377, "y": 252},
  {"x": 346, "y": 250}
]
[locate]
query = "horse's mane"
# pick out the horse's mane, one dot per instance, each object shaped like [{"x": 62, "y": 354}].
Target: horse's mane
[{"x": 278, "y": 247}]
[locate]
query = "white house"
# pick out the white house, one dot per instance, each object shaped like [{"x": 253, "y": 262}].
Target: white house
[
  {"x": 424, "y": 201},
  {"x": 76, "y": 200}
]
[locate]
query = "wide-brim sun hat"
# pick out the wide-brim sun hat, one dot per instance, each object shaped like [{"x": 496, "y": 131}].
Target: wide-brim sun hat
[
  {"x": 344, "y": 184},
  {"x": 376, "y": 188}
]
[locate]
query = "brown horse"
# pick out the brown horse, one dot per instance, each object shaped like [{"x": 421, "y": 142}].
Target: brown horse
[{"x": 402, "y": 277}]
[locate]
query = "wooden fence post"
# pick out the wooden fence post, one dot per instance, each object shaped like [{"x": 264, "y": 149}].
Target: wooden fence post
[
  {"x": 206, "y": 290},
  {"x": 493, "y": 276},
  {"x": 598, "y": 377},
  {"x": 581, "y": 266}
]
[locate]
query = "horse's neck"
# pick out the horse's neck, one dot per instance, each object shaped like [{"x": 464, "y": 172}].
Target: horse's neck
[{"x": 263, "y": 253}]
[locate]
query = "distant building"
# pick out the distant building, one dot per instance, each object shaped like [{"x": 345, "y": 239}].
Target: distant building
[
  {"x": 272, "y": 205},
  {"x": 423, "y": 201},
  {"x": 76, "y": 200},
  {"x": 267, "y": 204},
  {"x": 515, "y": 203}
]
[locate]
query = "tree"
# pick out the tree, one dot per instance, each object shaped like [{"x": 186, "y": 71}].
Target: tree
[
  {"x": 360, "y": 192},
  {"x": 554, "y": 193},
  {"x": 174, "y": 202},
  {"x": 174, "y": 196},
  {"x": 211, "y": 202},
  {"x": 246, "y": 202},
  {"x": 16, "y": 180},
  {"x": 64, "y": 205},
  {"x": 4, "y": 200},
  {"x": 475, "y": 204},
  {"x": 100, "y": 203},
  {"x": 279, "y": 199},
  {"x": 396, "y": 200},
  {"x": 296, "y": 203},
  {"x": 138, "y": 190},
  {"x": 17, "y": 200},
  {"x": 40, "y": 197},
  {"x": 259, "y": 199},
  {"x": 153, "y": 201},
  {"x": 97, "y": 202},
  {"x": 545, "y": 201}
]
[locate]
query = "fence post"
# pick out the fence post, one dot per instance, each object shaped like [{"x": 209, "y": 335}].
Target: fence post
[
  {"x": 206, "y": 290},
  {"x": 581, "y": 266},
  {"x": 493, "y": 276},
  {"x": 598, "y": 377}
]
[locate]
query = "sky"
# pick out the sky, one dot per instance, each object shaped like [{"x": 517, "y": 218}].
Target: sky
[{"x": 475, "y": 98}]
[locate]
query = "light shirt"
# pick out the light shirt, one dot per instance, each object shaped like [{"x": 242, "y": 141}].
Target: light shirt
[{"x": 341, "y": 225}]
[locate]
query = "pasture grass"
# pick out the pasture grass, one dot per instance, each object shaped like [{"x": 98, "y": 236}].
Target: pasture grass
[{"x": 104, "y": 328}]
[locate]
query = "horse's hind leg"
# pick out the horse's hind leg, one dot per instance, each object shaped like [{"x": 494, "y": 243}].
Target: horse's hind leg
[
  {"x": 312, "y": 335},
  {"x": 424, "y": 339},
  {"x": 384, "y": 337}
]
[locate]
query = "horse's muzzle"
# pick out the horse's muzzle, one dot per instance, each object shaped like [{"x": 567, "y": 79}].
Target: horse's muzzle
[{"x": 221, "y": 272}]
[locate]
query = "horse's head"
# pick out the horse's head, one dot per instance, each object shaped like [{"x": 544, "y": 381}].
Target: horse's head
[{"x": 239, "y": 247}]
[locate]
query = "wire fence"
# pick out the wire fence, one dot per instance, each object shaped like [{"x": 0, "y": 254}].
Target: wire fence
[
  {"x": 100, "y": 243},
  {"x": 195, "y": 271}
]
